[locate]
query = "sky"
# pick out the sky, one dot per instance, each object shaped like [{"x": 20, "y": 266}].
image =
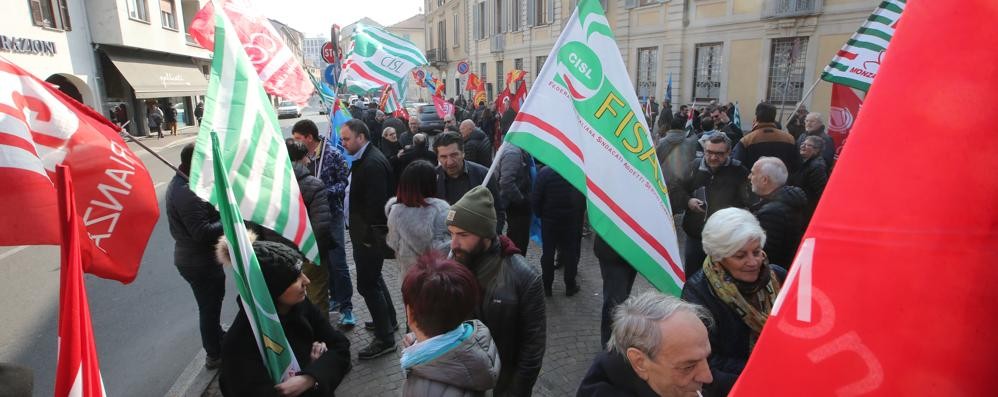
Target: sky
[{"x": 314, "y": 17}]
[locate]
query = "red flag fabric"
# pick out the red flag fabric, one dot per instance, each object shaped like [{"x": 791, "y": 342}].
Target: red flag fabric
[
  {"x": 40, "y": 127},
  {"x": 277, "y": 66},
  {"x": 501, "y": 101},
  {"x": 443, "y": 107},
  {"x": 77, "y": 370},
  {"x": 514, "y": 76},
  {"x": 519, "y": 97},
  {"x": 846, "y": 102},
  {"x": 892, "y": 292},
  {"x": 474, "y": 83}
]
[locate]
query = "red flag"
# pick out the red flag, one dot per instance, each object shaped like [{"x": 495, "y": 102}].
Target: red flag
[
  {"x": 474, "y": 83},
  {"x": 893, "y": 290},
  {"x": 77, "y": 370},
  {"x": 277, "y": 66},
  {"x": 514, "y": 76},
  {"x": 40, "y": 127},
  {"x": 521, "y": 95},
  {"x": 845, "y": 107},
  {"x": 501, "y": 101},
  {"x": 443, "y": 107}
]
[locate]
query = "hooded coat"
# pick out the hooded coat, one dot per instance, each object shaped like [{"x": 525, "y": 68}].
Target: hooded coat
[
  {"x": 469, "y": 369},
  {"x": 782, "y": 217}
]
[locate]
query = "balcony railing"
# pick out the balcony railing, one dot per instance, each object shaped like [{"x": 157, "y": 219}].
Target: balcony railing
[
  {"x": 436, "y": 55},
  {"x": 498, "y": 43},
  {"x": 791, "y": 8}
]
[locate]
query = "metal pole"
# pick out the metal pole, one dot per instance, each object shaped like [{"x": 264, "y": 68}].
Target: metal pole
[
  {"x": 804, "y": 98},
  {"x": 168, "y": 164}
]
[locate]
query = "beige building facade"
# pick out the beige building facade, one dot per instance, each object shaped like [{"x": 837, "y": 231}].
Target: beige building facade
[{"x": 723, "y": 50}]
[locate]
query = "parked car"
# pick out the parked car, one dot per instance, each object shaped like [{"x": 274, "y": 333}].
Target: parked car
[
  {"x": 429, "y": 121},
  {"x": 288, "y": 109}
]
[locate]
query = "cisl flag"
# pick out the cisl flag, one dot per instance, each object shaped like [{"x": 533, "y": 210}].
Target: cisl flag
[
  {"x": 77, "y": 371},
  {"x": 273, "y": 60},
  {"x": 582, "y": 118},
  {"x": 893, "y": 289},
  {"x": 40, "y": 127},
  {"x": 845, "y": 107}
]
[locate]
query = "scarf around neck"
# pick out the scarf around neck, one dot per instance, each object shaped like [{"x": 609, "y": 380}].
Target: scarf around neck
[
  {"x": 428, "y": 350},
  {"x": 751, "y": 301}
]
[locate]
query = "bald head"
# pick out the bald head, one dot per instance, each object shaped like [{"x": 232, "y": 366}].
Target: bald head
[
  {"x": 813, "y": 122},
  {"x": 467, "y": 126}
]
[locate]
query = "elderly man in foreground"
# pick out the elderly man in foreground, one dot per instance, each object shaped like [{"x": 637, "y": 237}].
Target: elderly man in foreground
[{"x": 659, "y": 347}]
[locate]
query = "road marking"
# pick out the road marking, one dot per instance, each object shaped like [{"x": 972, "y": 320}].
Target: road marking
[{"x": 13, "y": 251}]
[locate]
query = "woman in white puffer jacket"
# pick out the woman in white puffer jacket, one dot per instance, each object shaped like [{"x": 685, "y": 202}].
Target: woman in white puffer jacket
[{"x": 416, "y": 218}]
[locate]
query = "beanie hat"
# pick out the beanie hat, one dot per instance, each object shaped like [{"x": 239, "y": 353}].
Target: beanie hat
[
  {"x": 474, "y": 212},
  {"x": 280, "y": 264}
]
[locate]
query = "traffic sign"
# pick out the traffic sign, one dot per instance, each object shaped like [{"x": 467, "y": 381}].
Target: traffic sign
[
  {"x": 328, "y": 52},
  {"x": 330, "y": 75},
  {"x": 463, "y": 67}
]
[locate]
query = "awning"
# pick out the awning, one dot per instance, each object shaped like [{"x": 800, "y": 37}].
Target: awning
[{"x": 159, "y": 78}]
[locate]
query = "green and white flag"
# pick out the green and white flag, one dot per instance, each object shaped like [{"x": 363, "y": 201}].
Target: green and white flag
[
  {"x": 253, "y": 148},
  {"x": 583, "y": 119},
  {"x": 257, "y": 303},
  {"x": 857, "y": 63},
  {"x": 377, "y": 59}
]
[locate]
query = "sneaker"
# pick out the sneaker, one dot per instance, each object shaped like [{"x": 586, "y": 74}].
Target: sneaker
[
  {"x": 212, "y": 362},
  {"x": 572, "y": 290},
  {"x": 369, "y": 325},
  {"x": 347, "y": 320},
  {"x": 376, "y": 349}
]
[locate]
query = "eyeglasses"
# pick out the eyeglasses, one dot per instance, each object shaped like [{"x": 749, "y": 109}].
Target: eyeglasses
[{"x": 711, "y": 153}]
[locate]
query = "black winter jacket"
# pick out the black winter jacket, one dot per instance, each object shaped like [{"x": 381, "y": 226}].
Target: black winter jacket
[
  {"x": 812, "y": 178},
  {"x": 243, "y": 373},
  {"x": 782, "y": 217},
  {"x": 313, "y": 193},
  {"x": 611, "y": 375},
  {"x": 476, "y": 175},
  {"x": 729, "y": 337},
  {"x": 767, "y": 140},
  {"x": 828, "y": 152},
  {"x": 728, "y": 187},
  {"x": 478, "y": 148},
  {"x": 514, "y": 178},
  {"x": 556, "y": 200},
  {"x": 371, "y": 185},
  {"x": 512, "y": 307},
  {"x": 194, "y": 224}
]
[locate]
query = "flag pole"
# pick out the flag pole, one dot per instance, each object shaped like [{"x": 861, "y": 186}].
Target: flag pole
[
  {"x": 807, "y": 94},
  {"x": 135, "y": 139},
  {"x": 495, "y": 163}
]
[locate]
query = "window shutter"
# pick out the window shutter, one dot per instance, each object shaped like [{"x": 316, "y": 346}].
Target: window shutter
[
  {"x": 474, "y": 22},
  {"x": 630, "y": 4},
  {"x": 531, "y": 10},
  {"x": 550, "y": 15},
  {"x": 64, "y": 13},
  {"x": 36, "y": 13}
]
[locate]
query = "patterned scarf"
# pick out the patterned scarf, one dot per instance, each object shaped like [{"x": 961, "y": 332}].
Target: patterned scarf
[{"x": 751, "y": 301}]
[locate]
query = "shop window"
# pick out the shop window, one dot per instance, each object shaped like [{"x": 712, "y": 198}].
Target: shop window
[{"x": 52, "y": 14}]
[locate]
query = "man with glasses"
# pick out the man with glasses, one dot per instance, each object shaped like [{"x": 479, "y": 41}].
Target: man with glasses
[
  {"x": 714, "y": 182},
  {"x": 723, "y": 123}
]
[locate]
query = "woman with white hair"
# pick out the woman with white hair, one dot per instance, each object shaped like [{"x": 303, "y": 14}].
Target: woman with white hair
[{"x": 738, "y": 286}]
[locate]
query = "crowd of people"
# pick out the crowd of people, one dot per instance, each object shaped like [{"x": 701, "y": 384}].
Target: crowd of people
[{"x": 474, "y": 306}]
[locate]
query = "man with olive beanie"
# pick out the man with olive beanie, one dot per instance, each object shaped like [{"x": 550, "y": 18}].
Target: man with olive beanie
[{"x": 512, "y": 305}]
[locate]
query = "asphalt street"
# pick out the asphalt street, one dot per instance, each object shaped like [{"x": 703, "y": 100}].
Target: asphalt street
[{"x": 146, "y": 332}]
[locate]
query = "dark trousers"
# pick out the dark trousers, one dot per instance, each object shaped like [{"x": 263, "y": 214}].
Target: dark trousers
[
  {"x": 371, "y": 286},
  {"x": 561, "y": 237},
  {"x": 694, "y": 255},
  {"x": 518, "y": 226},
  {"x": 340, "y": 287},
  {"x": 618, "y": 278},
  {"x": 208, "y": 284}
]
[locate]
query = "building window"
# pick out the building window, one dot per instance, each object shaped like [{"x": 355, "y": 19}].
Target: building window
[
  {"x": 707, "y": 72},
  {"x": 499, "y": 77},
  {"x": 786, "y": 70},
  {"x": 540, "y": 64},
  {"x": 442, "y": 34},
  {"x": 647, "y": 69},
  {"x": 517, "y": 23},
  {"x": 541, "y": 12},
  {"x": 137, "y": 9},
  {"x": 52, "y": 14},
  {"x": 478, "y": 20},
  {"x": 457, "y": 33},
  {"x": 518, "y": 64},
  {"x": 642, "y": 3},
  {"x": 168, "y": 14}
]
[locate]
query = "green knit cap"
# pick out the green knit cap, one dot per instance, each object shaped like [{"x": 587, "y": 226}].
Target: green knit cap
[{"x": 474, "y": 212}]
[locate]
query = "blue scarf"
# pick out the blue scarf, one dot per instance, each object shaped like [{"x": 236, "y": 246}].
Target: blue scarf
[{"x": 430, "y": 349}]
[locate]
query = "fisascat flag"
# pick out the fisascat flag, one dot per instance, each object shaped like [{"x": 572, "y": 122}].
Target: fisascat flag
[
  {"x": 257, "y": 304},
  {"x": 857, "y": 63},
  {"x": 582, "y": 118},
  {"x": 378, "y": 58},
  {"x": 897, "y": 299},
  {"x": 253, "y": 149}
]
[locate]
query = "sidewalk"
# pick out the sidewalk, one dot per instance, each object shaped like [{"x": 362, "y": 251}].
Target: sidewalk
[{"x": 572, "y": 334}]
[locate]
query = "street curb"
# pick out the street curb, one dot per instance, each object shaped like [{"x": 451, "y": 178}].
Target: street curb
[{"x": 194, "y": 380}]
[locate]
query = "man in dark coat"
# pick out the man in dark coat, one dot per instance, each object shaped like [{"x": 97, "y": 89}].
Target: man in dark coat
[
  {"x": 512, "y": 305},
  {"x": 477, "y": 146},
  {"x": 713, "y": 182},
  {"x": 724, "y": 124},
  {"x": 455, "y": 175},
  {"x": 813, "y": 175},
  {"x": 514, "y": 194},
  {"x": 418, "y": 150},
  {"x": 370, "y": 187},
  {"x": 507, "y": 118},
  {"x": 561, "y": 208},
  {"x": 618, "y": 279},
  {"x": 196, "y": 227},
  {"x": 780, "y": 210},
  {"x": 814, "y": 126},
  {"x": 659, "y": 348},
  {"x": 766, "y": 139},
  {"x": 313, "y": 194}
]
